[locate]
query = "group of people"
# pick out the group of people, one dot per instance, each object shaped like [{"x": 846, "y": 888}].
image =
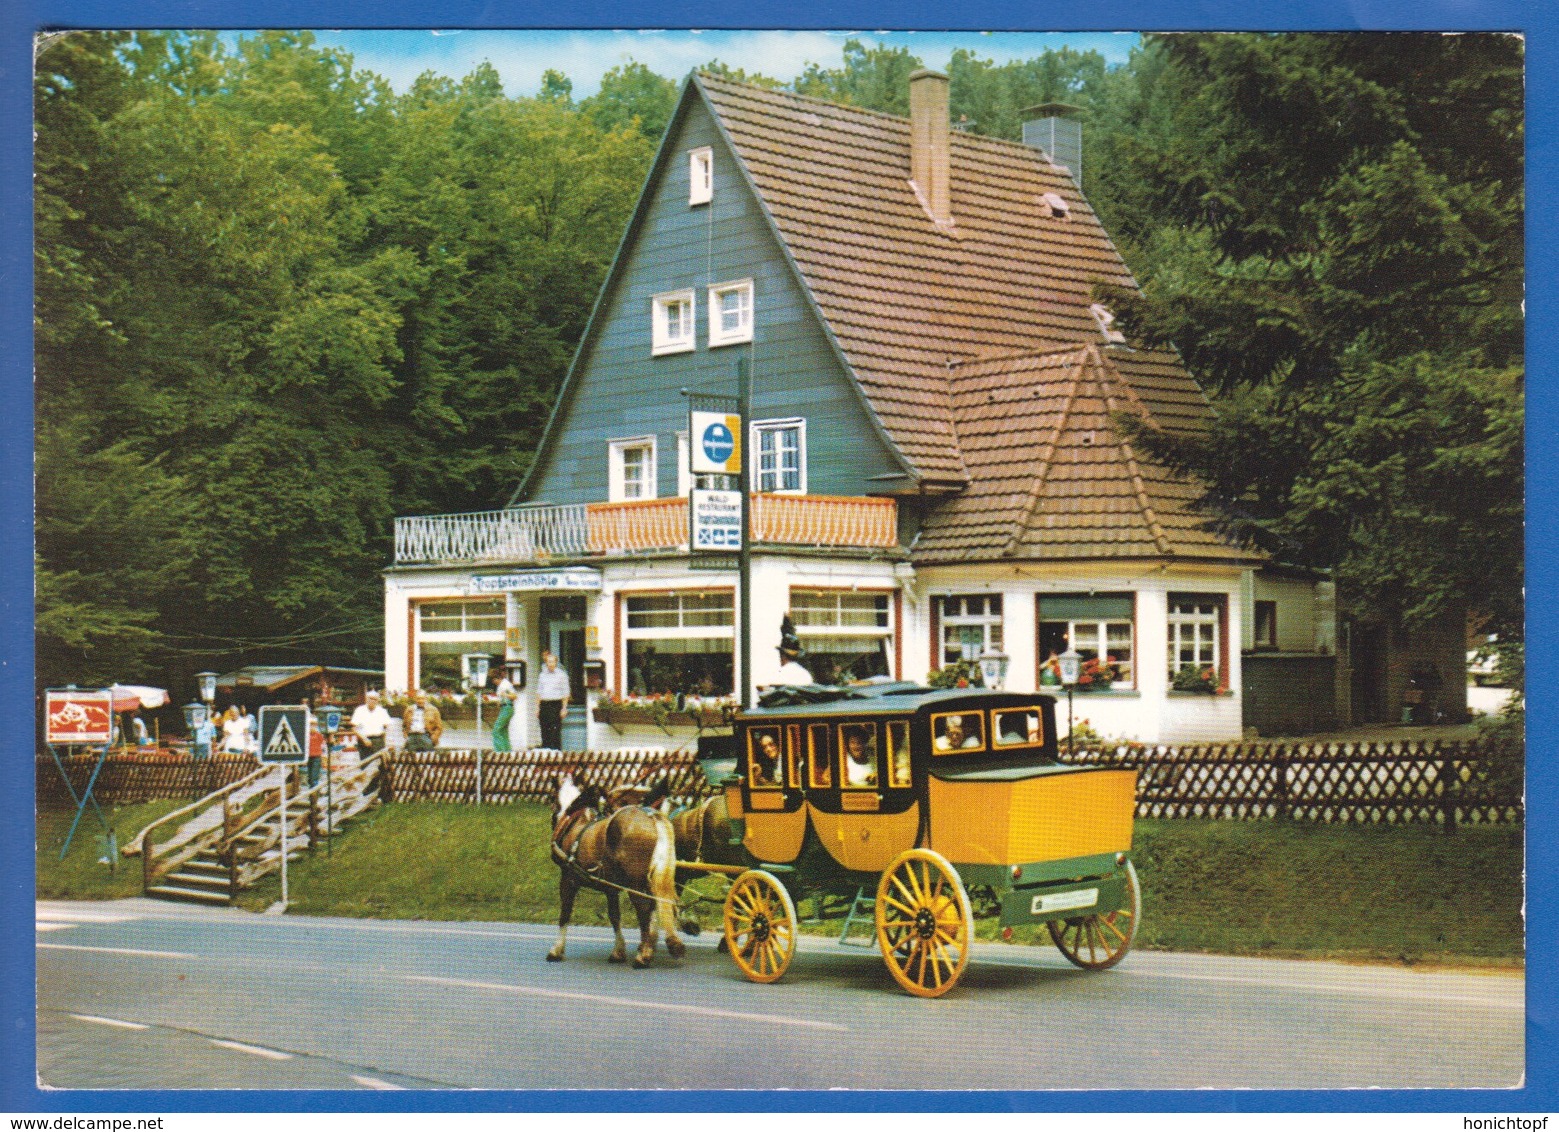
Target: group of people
[{"x": 423, "y": 726}]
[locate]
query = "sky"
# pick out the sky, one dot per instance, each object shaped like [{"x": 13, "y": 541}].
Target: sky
[{"x": 520, "y": 57}]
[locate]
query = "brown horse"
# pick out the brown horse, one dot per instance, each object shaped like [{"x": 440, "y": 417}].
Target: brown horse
[{"x": 631, "y": 850}]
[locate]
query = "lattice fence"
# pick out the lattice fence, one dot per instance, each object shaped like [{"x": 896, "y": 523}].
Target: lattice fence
[
  {"x": 1451, "y": 782},
  {"x": 131, "y": 778},
  {"x": 452, "y": 776}
]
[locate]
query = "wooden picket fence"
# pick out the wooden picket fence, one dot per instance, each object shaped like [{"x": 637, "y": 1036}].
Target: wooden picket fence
[{"x": 1449, "y": 782}]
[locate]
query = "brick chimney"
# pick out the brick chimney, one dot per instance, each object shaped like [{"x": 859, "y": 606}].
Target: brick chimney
[{"x": 928, "y": 143}]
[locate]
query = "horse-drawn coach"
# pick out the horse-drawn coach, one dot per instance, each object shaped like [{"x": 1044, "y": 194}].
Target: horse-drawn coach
[
  {"x": 948, "y": 804},
  {"x": 945, "y": 804}
]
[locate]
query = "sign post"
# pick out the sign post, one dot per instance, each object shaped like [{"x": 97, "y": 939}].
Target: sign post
[
  {"x": 284, "y": 739},
  {"x": 718, "y": 518}
]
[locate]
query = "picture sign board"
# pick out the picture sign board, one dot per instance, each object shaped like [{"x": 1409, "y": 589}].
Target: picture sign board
[
  {"x": 715, "y": 518},
  {"x": 717, "y": 443},
  {"x": 79, "y": 717},
  {"x": 284, "y": 734}
]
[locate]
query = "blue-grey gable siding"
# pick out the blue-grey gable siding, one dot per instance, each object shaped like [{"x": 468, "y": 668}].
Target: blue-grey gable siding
[{"x": 621, "y": 391}]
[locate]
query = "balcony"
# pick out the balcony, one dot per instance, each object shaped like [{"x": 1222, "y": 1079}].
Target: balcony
[{"x": 545, "y": 535}]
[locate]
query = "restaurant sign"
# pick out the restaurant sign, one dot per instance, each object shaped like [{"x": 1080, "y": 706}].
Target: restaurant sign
[
  {"x": 79, "y": 717},
  {"x": 536, "y": 581}
]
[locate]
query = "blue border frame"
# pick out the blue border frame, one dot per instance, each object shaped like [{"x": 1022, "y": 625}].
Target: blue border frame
[{"x": 1537, "y": 19}]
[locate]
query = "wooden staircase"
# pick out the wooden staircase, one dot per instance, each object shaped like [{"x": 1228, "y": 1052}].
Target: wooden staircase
[{"x": 211, "y": 850}]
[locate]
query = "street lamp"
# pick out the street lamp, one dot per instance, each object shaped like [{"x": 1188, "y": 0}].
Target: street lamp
[
  {"x": 208, "y": 686},
  {"x": 477, "y": 664},
  {"x": 1071, "y": 668},
  {"x": 993, "y": 668},
  {"x": 195, "y": 716}
]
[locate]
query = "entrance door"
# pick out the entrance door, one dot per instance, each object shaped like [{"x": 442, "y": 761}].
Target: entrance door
[
  {"x": 1367, "y": 647},
  {"x": 567, "y": 641}
]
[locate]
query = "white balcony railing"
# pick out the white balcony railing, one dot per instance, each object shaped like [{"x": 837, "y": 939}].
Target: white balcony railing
[{"x": 547, "y": 534}]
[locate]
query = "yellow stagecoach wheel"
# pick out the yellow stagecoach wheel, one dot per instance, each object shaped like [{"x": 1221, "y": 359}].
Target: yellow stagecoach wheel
[
  {"x": 1102, "y": 939},
  {"x": 760, "y": 926},
  {"x": 924, "y": 925}
]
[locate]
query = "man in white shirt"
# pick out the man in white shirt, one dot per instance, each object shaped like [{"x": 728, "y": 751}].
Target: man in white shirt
[
  {"x": 369, "y": 723},
  {"x": 552, "y": 696}
]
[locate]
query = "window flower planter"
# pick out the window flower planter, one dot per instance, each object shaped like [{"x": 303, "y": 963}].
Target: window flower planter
[{"x": 658, "y": 714}]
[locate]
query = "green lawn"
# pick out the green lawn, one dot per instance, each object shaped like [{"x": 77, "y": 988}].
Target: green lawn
[{"x": 1384, "y": 894}]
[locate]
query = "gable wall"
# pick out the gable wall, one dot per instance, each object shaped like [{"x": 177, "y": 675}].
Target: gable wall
[{"x": 622, "y": 391}]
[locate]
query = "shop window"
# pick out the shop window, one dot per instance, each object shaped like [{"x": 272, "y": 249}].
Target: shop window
[
  {"x": 447, "y": 630},
  {"x": 680, "y": 642},
  {"x": 1101, "y": 627},
  {"x": 848, "y": 635}
]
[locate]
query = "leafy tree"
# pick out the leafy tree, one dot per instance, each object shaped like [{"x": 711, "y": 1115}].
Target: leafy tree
[
  {"x": 633, "y": 95},
  {"x": 1328, "y": 227},
  {"x": 873, "y": 77}
]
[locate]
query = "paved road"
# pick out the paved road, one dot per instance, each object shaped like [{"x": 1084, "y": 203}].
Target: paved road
[{"x": 141, "y": 994}]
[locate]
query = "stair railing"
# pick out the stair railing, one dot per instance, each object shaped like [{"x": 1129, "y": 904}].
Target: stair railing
[{"x": 206, "y": 823}]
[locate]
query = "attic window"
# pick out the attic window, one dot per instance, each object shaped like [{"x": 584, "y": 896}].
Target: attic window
[
  {"x": 1053, "y": 204},
  {"x": 730, "y": 313},
  {"x": 701, "y": 175},
  {"x": 1104, "y": 318},
  {"x": 672, "y": 325}
]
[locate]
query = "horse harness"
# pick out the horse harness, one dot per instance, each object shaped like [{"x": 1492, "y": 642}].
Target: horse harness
[{"x": 565, "y": 850}]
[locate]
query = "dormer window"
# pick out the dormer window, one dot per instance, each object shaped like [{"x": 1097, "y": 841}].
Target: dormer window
[
  {"x": 701, "y": 175},
  {"x": 1054, "y": 204},
  {"x": 1105, "y": 319},
  {"x": 730, "y": 313},
  {"x": 672, "y": 329}
]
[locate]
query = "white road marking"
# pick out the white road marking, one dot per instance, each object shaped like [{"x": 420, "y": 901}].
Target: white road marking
[
  {"x": 84, "y": 916},
  {"x": 635, "y": 1003},
  {"x": 123, "y": 1025},
  {"x": 53, "y": 927},
  {"x": 375, "y": 1083},
  {"x": 258, "y": 1051},
  {"x": 115, "y": 950}
]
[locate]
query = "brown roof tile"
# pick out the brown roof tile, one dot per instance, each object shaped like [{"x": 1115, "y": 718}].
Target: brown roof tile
[{"x": 975, "y": 345}]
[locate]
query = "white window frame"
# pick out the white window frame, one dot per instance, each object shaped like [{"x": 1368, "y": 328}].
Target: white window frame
[
  {"x": 684, "y": 465},
  {"x": 617, "y": 483},
  {"x": 755, "y": 439},
  {"x": 1188, "y": 624},
  {"x": 820, "y": 614},
  {"x": 690, "y": 624},
  {"x": 988, "y": 622},
  {"x": 700, "y": 175},
  {"x": 476, "y": 631},
  {"x": 719, "y": 335},
  {"x": 662, "y": 339}
]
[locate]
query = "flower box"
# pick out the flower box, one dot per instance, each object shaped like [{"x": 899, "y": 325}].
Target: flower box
[{"x": 657, "y": 715}]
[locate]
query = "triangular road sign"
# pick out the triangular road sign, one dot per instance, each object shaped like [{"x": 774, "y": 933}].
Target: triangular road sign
[{"x": 283, "y": 734}]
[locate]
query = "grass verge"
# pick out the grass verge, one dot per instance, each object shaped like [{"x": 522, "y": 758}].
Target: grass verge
[{"x": 1401, "y": 894}]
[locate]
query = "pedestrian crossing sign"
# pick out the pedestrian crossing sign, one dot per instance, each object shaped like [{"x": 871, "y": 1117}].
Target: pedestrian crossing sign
[{"x": 284, "y": 734}]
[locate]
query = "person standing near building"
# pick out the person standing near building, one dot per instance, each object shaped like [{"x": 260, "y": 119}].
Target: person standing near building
[
  {"x": 507, "y": 694},
  {"x": 422, "y": 722},
  {"x": 370, "y": 723},
  {"x": 552, "y": 695}
]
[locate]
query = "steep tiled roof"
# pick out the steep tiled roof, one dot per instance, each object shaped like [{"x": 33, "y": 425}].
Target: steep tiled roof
[
  {"x": 1052, "y": 476},
  {"x": 903, "y": 298},
  {"x": 974, "y": 344}
]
